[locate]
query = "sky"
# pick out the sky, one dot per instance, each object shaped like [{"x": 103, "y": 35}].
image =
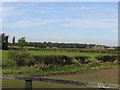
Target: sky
[
  {"x": 67, "y": 22},
  {"x": 59, "y": 0}
]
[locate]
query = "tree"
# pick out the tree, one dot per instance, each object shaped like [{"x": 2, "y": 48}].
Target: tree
[
  {"x": 13, "y": 41},
  {"x": 4, "y": 41},
  {"x": 21, "y": 41}
]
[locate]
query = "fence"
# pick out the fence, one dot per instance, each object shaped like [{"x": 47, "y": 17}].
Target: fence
[{"x": 29, "y": 79}]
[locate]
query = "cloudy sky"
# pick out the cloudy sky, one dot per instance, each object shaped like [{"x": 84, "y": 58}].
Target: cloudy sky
[{"x": 80, "y": 22}]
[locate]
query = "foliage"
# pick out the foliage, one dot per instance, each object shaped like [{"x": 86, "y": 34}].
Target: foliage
[
  {"x": 47, "y": 48},
  {"x": 19, "y": 57},
  {"x": 4, "y": 41},
  {"x": 49, "y": 58},
  {"x": 6, "y": 59},
  {"x": 83, "y": 59},
  {"x": 40, "y": 61},
  {"x": 53, "y": 59},
  {"x": 107, "y": 58},
  {"x": 63, "y": 45},
  {"x": 95, "y": 63},
  {"x": 13, "y": 41},
  {"x": 21, "y": 42}
]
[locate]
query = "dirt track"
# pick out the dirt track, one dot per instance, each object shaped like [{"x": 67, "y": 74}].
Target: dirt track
[{"x": 105, "y": 75}]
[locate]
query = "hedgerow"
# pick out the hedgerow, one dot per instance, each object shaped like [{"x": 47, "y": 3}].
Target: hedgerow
[
  {"x": 22, "y": 58},
  {"x": 107, "y": 58}
]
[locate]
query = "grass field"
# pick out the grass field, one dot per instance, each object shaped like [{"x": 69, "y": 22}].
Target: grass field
[{"x": 5, "y": 58}]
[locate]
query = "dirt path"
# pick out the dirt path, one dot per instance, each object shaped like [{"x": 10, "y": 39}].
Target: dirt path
[{"x": 105, "y": 75}]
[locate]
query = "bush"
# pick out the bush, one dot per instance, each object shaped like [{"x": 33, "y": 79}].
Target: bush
[
  {"x": 30, "y": 61},
  {"x": 19, "y": 57},
  {"x": 8, "y": 64},
  {"x": 53, "y": 59},
  {"x": 95, "y": 63},
  {"x": 76, "y": 62},
  {"x": 107, "y": 58},
  {"x": 83, "y": 59}
]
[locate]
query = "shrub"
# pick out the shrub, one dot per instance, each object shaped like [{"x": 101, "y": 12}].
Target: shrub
[
  {"x": 95, "y": 63},
  {"x": 83, "y": 59},
  {"x": 30, "y": 61},
  {"x": 19, "y": 57},
  {"x": 8, "y": 64},
  {"x": 76, "y": 62},
  {"x": 107, "y": 58},
  {"x": 53, "y": 59}
]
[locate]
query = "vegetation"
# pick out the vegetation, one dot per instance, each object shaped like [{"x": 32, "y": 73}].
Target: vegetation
[
  {"x": 13, "y": 41},
  {"x": 4, "y": 44},
  {"x": 6, "y": 59},
  {"x": 34, "y": 57},
  {"x": 21, "y": 42},
  {"x": 39, "y": 62},
  {"x": 108, "y": 58}
]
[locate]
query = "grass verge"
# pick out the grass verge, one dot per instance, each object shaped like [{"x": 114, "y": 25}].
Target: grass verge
[{"x": 69, "y": 68}]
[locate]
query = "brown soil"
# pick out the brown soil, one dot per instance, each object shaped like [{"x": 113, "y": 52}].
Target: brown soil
[{"x": 105, "y": 75}]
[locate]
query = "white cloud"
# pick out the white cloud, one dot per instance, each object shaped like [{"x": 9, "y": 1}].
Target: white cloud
[
  {"x": 27, "y": 23},
  {"x": 77, "y": 23},
  {"x": 79, "y": 8},
  {"x": 89, "y": 24},
  {"x": 6, "y": 11},
  {"x": 100, "y": 16}
]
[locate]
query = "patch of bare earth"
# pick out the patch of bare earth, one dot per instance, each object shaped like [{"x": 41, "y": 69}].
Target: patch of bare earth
[{"x": 105, "y": 75}]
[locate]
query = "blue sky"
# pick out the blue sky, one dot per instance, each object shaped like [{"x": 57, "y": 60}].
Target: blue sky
[{"x": 79, "y": 22}]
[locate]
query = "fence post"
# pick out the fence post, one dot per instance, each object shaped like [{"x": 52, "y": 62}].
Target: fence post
[{"x": 28, "y": 84}]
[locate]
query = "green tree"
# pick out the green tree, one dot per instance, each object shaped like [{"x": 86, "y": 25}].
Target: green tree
[
  {"x": 21, "y": 42},
  {"x": 4, "y": 41},
  {"x": 13, "y": 41}
]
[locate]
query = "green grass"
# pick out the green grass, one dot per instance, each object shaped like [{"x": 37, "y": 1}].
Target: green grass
[
  {"x": 62, "y": 53},
  {"x": 5, "y": 58},
  {"x": 12, "y": 83},
  {"x": 58, "y": 69}
]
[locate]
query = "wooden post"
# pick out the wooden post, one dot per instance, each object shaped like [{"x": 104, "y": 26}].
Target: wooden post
[{"x": 28, "y": 84}]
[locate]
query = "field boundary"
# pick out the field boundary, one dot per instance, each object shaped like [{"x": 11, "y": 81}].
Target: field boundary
[{"x": 29, "y": 79}]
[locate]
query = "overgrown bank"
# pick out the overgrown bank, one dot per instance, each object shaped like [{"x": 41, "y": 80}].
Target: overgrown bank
[{"x": 25, "y": 63}]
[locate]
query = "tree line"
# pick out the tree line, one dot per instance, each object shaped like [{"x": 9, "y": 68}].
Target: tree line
[{"x": 22, "y": 42}]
